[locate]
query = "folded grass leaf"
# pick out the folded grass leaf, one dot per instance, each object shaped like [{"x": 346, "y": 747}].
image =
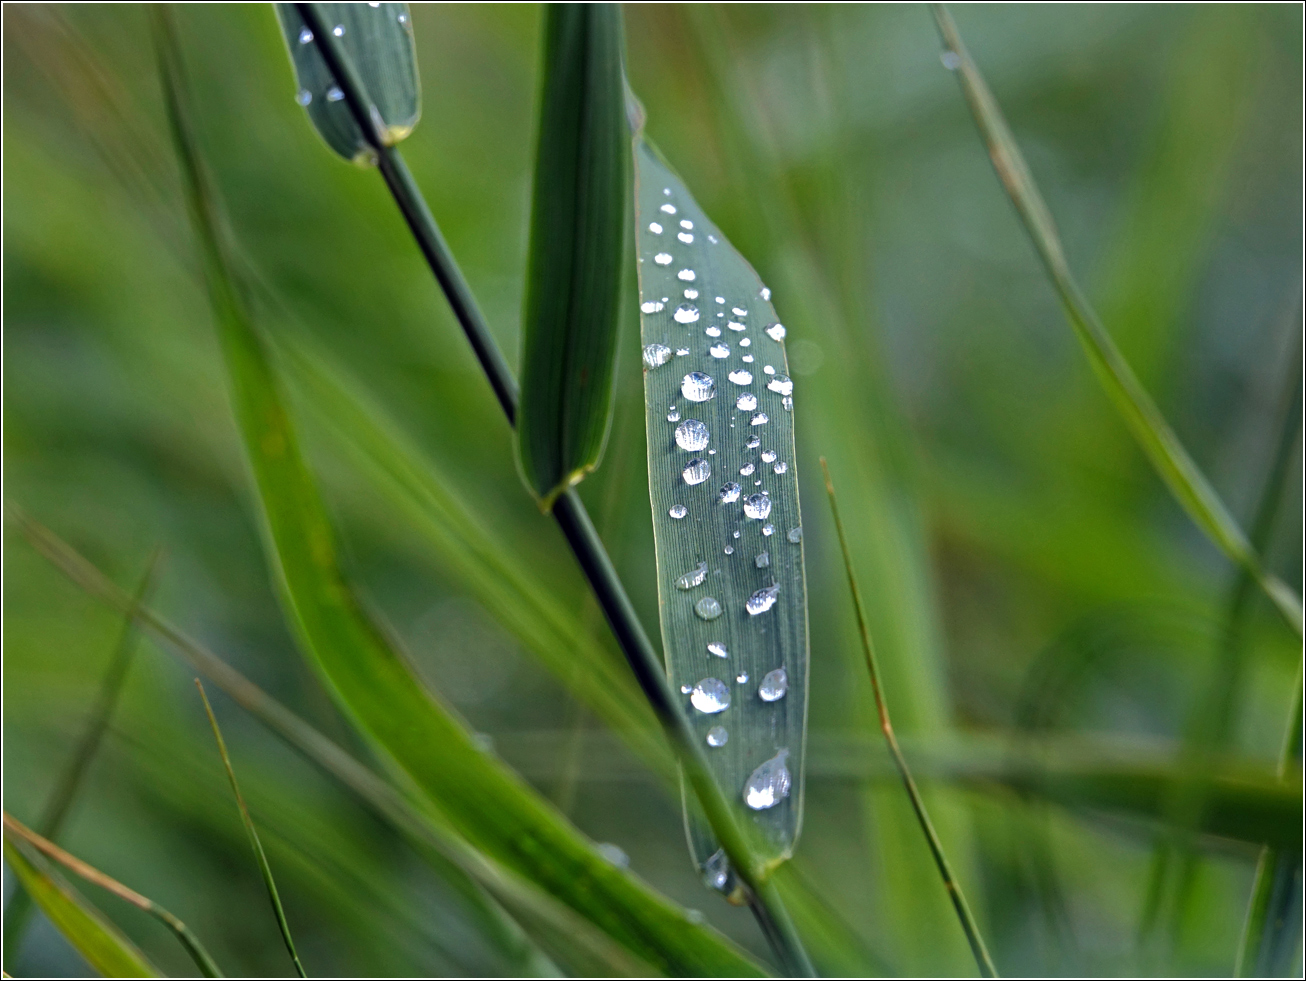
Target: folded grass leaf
[
  {"x": 379, "y": 38},
  {"x": 578, "y": 243},
  {"x": 726, "y": 522}
]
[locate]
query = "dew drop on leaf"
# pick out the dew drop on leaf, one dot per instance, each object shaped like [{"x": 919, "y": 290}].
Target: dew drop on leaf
[
  {"x": 698, "y": 387},
  {"x": 686, "y": 313},
  {"x": 656, "y": 355},
  {"x": 782, "y": 384},
  {"x": 761, "y": 419},
  {"x": 716, "y": 648},
  {"x": 719, "y": 350},
  {"x": 708, "y": 608},
  {"x": 651, "y": 306},
  {"x": 655, "y": 228},
  {"x": 697, "y": 471},
  {"x": 691, "y": 434},
  {"x": 741, "y": 376},
  {"x": 780, "y": 467},
  {"x": 747, "y": 402},
  {"x": 729, "y": 493},
  {"x": 678, "y": 511},
  {"x": 762, "y": 560},
  {"x": 710, "y": 696},
  {"x": 695, "y": 577},
  {"x": 773, "y": 686},
  {"x": 776, "y": 332},
  {"x": 717, "y": 736},
  {"x": 769, "y": 783},
  {"x": 757, "y": 506},
  {"x": 795, "y": 535}
]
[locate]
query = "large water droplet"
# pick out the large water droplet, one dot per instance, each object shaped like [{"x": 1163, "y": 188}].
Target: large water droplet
[
  {"x": 762, "y": 560},
  {"x": 691, "y": 434},
  {"x": 719, "y": 350},
  {"x": 656, "y": 355},
  {"x": 795, "y": 535},
  {"x": 686, "y": 275},
  {"x": 734, "y": 326},
  {"x": 768, "y": 369},
  {"x": 745, "y": 342},
  {"x": 747, "y": 470},
  {"x": 717, "y": 736},
  {"x": 780, "y": 467},
  {"x": 305, "y": 36},
  {"x": 769, "y": 783},
  {"x": 753, "y": 442},
  {"x": 747, "y": 402},
  {"x": 773, "y": 686},
  {"x": 716, "y": 648},
  {"x": 686, "y": 313},
  {"x": 304, "y": 97},
  {"x": 655, "y": 228},
  {"x": 686, "y": 237},
  {"x": 710, "y": 696},
  {"x": 782, "y": 384},
  {"x": 757, "y": 506},
  {"x": 678, "y": 511},
  {"x": 763, "y": 599},
  {"x": 651, "y": 306},
  {"x": 739, "y": 311},
  {"x": 695, "y": 577},
  {"x": 335, "y": 94},
  {"x": 741, "y": 377},
  {"x": 668, "y": 209},
  {"x": 761, "y": 419},
  {"x": 716, "y": 870},
  {"x": 698, "y": 387},
  {"x": 713, "y": 331},
  {"x": 776, "y": 332},
  {"x": 729, "y": 493},
  {"x": 768, "y": 456},
  {"x": 697, "y": 471},
  {"x": 708, "y": 608}
]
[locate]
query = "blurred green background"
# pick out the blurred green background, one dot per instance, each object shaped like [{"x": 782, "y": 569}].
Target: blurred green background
[{"x": 1029, "y": 578}]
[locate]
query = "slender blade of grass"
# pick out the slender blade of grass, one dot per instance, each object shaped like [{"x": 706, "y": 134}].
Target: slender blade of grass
[
  {"x": 1172, "y": 462},
  {"x": 950, "y": 883},
  {"x": 577, "y": 248},
  {"x": 379, "y": 38},
  {"x": 93, "y": 875},
  {"x": 265, "y": 870},
  {"x": 103, "y": 945}
]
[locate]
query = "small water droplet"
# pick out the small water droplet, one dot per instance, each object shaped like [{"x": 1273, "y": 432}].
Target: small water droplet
[
  {"x": 673, "y": 415},
  {"x": 788, "y": 403},
  {"x": 766, "y": 293},
  {"x": 304, "y": 97},
  {"x": 717, "y": 649},
  {"x": 757, "y": 506},
  {"x": 697, "y": 471},
  {"x": 403, "y": 18},
  {"x": 655, "y": 228},
  {"x": 687, "y": 275},
  {"x": 668, "y": 209},
  {"x": 721, "y": 299},
  {"x": 746, "y": 402},
  {"x": 768, "y": 369},
  {"x": 698, "y": 387},
  {"x": 742, "y": 677},
  {"x": 681, "y": 351},
  {"x": 735, "y": 325},
  {"x": 782, "y": 384},
  {"x": 761, "y": 419},
  {"x": 695, "y": 577},
  {"x": 686, "y": 237},
  {"x": 729, "y": 550},
  {"x": 656, "y": 355},
  {"x": 334, "y": 94},
  {"x": 780, "y": 467},
  {"x": 739, "y": 311},
  {"x": 710, "y": 696},
  {"x": 741, "y": 376},
  {"x": 678, "y": 511},
  {"x": 734, "y": 534},
  {"x": 951, "y": 60},
  {"x": 762, "y": 560},
  {"x": 745, "y": 341},
  {"x": 686, "y": 689},
  {"x": 768, "y": 530},
  {"x": 607, "y": 849},
  {"x": 773, "y": 686},
  {"x": 717, "y": 736},
  {"x": 651, "y": 306},
  {"x": 713, "y": 331},
  {"x": 747, "y": 469},
  {"x": 667, "y": 191},
  {"x": 712, "y": 239},
  {"x": 768, "y": 456},
  {"x": 692, "y": 435},
  {"x": 729, "y": 493},
  {"x": 306, "y": 36},
  {"x": 338, "y": 30},
  {"x": 753, "y": 442},
  {"x": 776, "y": 332},
  {"x": 708, "y": 608},
  {"x": 686, "y": 223},
  {"x": 769, "y": 783},
  {"x": 719, "y": 350},
  {"x": 747, "y": 359},
  {"x": 691, "y": 294},
  {"x": 795, "y": 535},
  {"x": 686, "y": 313},
  {"x": 663, "y": 258}
]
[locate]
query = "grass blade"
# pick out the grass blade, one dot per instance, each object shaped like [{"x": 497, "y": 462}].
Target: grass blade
[
  {"x": 379, "y": 38},
  {"x": 964, "y": 915},
  {"x": 259, "y": 855},
  {"x": 1172, "y": 463},
  {"x": 49, "y": 849},
  {"x": 103, "y": 945},
  {"x": 578, "y": 244}
]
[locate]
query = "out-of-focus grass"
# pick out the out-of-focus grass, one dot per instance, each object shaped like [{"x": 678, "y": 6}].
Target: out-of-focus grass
[{"x": 996, "y": 508}]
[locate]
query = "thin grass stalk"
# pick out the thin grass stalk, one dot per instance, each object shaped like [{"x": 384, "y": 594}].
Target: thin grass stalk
[
  {"x": 94, "y": 876},
  {"x": 260, "y": 856},
  {"x": 569, "y": 511},
  {"x": 964, "y": 915},
  {"x": 1172, "y": 462}
]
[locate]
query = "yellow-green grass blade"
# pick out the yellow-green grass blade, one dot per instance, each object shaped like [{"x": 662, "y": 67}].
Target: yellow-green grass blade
[
  {"x": 577, "y": 248},
  {"x": 726, "y": 523},
  {"x": 1168, "y": 456},
  {"x": 103, "y": 945},
  {"x": 373, "y": 682},
  {"x": 379, "y": 39}
]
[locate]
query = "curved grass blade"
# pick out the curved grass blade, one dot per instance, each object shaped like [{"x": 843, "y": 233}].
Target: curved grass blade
[
  {"x": 379, "y": 38},
  {"x": 1172, "y": 463},
  {"x": 364, "y": 670},
  {"x": 726, "y": 523},
  {"x": 578, "y": 244},
  {"x": 103, "y": 945},
  {"x": 259, "y": 855},
  {"x": 208, "y": 968},
  {"x": 964, "y": 915}
]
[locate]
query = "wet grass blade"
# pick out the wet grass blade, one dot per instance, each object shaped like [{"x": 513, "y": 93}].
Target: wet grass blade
[
  {"x": 103, "y": 945},
  {"x": 955, "y": 893},
  {"x": 726, "y": 524},
  {"x": 50, "y": 850},
  {"x": 1172, "y": 462},
  {"x": 260, "y": 856},
  {"x": 577, "y": 248},
  {"x": 379, "y": 38}
]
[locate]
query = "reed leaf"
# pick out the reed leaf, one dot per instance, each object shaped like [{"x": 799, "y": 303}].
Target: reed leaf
[
  {"x": 379, "y": 39},
  {"x": 574, "y": 270},
  {"x": 104, "y": 946},
  {"x": 731, "y": 589}
]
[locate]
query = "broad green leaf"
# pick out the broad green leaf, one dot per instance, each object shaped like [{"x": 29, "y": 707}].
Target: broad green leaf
[
  {"x": 1168, "y": 456},
  {"x": 373, "y": 682},
  {"x": 379, "y": 39},
  {"x": 103, "y": 945},
  {"x": 578, "y": 244},
  {"x": 731, "y": 587}
]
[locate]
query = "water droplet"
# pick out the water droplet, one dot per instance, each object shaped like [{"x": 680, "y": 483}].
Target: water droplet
[
  {"x": 719, "y": 350},
  {"x": 686, "y": 237},
  {"x": 768, "y": 530},
  {"x": 753, "y": 442},
  {"x": 782, "y": 384},
  {"x": 769, "y": 783},
  {"x": 651, "y": 306},
  {"x": 686, "y": 689},
  {"x": 655, "y": 228},
  {"x": 717, "y": 649},
  {"x": 695, "y": 577},
  {"x": 780, "y": 467},
  {"x": 741, "y": 377},
  {"x": 673, "y": 415},
  {"x": 734, "y": 534},
  {"x": 607, "y": 849},
  {"x": 768, "y": 369},
  {"x": 773, "y": 686},
  {"x": 305, "y": 36},
  {"x": 729, "y": 550},
  {"x": 712, "y": 239},
  {"x": 757, "y": 506},
  {"x": 735, "y": 325},
  {"x": 710, "y": 696},
  {"x": 742, "y": 677},
  {"x": 668, "y": 209},
  {"x": 745, "y": 341},
  {"x": 692, "y": 435},
  {"x": 681, "y": 351},
  {"x": 795, "y": 535},
  {"x": 739, "y": 311},
  {"x": 338, "y": 30},
  {"x": 687, "y": 275},
  {"x": 788, "y": 403},
  {"x": 766, "y": 293},
  {"x": 729, "y": 493},
  {"x": 691, "y": 294},
  {"x": 747, "y": 402},
  {"x": 721, "y": 299},
  {"x": 717, "y": 736},
  {"x": 697, "y": 471},
  {"x": 762, "y": 560},
  {"x": 708, "y": 608},
  {"x": 678, "y": 511},
  {"x": 716, "y": 871},
  {"x": 656, "y": 355},
  {"x": 334, "y": 94},
  {"x": 748, "y": 359},
  {"x": 686, "y": 313},
  {"x": 768, "y": 456},
  {"x": 713, "y": 331},
  {"x": 667, "y": 191},
  {"x": 663, "y": 258},
  {"x": 304, "y": 97},
  {"x": 698, "y": 387},
  {"x": 776, "y": 332},
  {"x": 747, "y": 470},
  {"x": 403, "y": 18},
  {"x": 686, "y": 223},
  {"x": 761, "y": 419},
  {"x": 951, "y": 60}
]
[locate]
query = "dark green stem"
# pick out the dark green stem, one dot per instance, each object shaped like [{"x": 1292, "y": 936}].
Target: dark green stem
[{"x": 569, "y": 511}]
